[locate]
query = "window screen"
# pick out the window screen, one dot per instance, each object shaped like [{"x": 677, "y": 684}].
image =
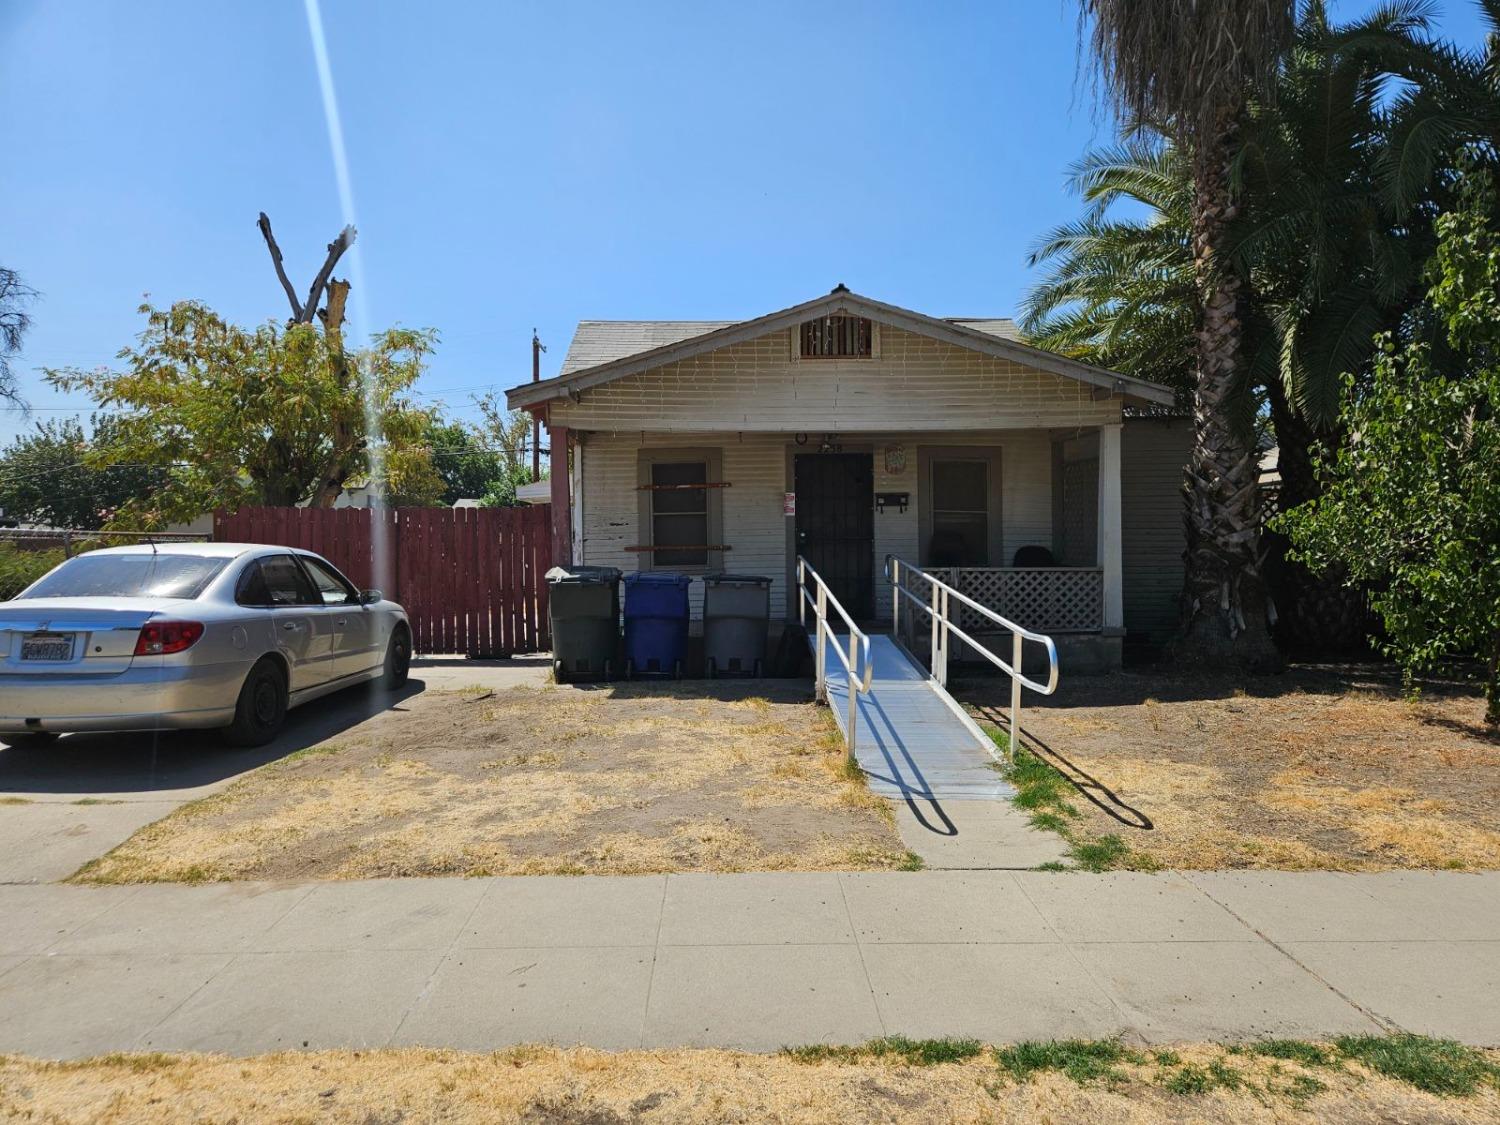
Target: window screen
[
  {"x": 960, "y": 513},
  {"x": 679, "y": 513}
]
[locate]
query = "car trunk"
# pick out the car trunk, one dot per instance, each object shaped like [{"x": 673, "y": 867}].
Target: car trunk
[{"x": 82, "y": 636}]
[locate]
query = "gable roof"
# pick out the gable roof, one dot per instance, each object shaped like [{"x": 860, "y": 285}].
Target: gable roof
[{"x": 603, "y": 350}]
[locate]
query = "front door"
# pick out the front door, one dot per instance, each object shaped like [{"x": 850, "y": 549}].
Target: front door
[{"x": 836, "y": 524}]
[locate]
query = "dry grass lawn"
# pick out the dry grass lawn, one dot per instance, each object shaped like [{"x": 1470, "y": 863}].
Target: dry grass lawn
[
  {"x": 1316, "y": 768},
  {"x": 585, "y": 1087},
  {"x": 620, "y": 779}
]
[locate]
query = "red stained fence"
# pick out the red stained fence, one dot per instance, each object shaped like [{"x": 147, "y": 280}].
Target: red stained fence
[{"x": 471, "y": 579}]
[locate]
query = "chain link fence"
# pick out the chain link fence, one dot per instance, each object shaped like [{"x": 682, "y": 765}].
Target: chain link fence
[{"x": 27, "y": 554}]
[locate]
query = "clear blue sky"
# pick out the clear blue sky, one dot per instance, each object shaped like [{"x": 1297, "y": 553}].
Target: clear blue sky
[{"x": 520, "y": 165}]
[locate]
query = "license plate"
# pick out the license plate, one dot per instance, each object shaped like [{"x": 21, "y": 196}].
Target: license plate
[{"x": 47, "y": 646}]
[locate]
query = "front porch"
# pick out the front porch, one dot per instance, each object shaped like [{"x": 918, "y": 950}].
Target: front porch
[{"x": 967, "y": 507}]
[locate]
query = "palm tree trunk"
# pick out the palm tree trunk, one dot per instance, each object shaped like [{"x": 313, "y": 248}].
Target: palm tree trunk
[{"x": 1224, "y": 603}]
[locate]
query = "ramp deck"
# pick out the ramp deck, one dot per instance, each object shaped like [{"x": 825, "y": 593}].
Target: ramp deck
[{"x": 911, "y": 738}]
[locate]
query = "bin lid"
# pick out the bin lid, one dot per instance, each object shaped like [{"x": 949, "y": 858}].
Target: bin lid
[
  {"x": 658, "y": 578},
  {"x": 584, "y": 575},
  {"x": 736, "y": 580}
]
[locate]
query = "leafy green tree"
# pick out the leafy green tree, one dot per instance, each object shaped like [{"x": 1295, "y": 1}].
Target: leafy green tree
[
  {"x": 15, "y": 295},
  {"x": 501, "y": 492},
  {"x": 461, "y": 457},
  {"x": 508, "y": 434},
  {"x": 50, "y": 476},
  {"x": 1411, "y": 505},
  {"x": 266, "y": 415}
]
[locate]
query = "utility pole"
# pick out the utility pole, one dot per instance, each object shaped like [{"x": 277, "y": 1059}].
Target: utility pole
[{"x": 537, "y": 348}]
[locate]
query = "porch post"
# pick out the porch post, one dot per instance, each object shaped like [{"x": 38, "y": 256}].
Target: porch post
[
  {"x": 1111, "y": 556},
  {"x": 562, "y": 514}
]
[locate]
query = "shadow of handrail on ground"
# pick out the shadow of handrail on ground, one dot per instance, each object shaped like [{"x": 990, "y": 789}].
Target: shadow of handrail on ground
[
  {"x": 1090, "y": 788},
  {"x": 948, "y": 828}
]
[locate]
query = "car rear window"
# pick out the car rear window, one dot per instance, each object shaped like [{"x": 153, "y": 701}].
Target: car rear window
[{"x": 128, "y": 576}]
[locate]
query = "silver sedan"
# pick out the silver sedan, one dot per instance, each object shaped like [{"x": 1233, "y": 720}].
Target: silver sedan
[{"x": 194, "y": 635}]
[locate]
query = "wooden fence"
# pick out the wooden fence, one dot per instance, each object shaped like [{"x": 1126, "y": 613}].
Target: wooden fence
[{"x": 471, "y": 579}]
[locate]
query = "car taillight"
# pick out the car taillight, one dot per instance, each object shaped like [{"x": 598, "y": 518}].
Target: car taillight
[{"x": 159, "y": 638}]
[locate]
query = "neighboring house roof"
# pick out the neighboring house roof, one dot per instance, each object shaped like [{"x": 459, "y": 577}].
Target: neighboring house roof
[{"x": 603, "y": 351}]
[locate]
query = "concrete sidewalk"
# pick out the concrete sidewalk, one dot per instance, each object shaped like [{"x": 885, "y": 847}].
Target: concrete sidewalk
[{"x": 748, "y": 961}]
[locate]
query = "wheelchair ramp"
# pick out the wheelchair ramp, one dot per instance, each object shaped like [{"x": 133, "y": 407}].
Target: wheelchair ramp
[{"x": 911, "y": 737}]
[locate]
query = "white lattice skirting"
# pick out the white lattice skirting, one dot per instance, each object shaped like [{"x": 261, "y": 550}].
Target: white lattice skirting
[{"x": 1043, "y": 599}]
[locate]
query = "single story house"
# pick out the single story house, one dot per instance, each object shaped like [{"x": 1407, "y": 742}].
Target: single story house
[{"x": 845, "y": 430}]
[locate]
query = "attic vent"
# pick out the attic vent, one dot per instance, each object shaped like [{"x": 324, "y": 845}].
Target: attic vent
[{"x": 832, "y": 337}]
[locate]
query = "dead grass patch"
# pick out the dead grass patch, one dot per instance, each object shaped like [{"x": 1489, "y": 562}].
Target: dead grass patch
[
  {"x": 537, "y": 1084},
  {"x": 621, "y": 780},
  {"x": 1312, "y": 769}
]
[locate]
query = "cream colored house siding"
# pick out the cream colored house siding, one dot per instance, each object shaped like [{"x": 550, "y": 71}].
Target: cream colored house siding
[
  {"x": 914, "y": 383},
  {"x": 1152, "y": 457},
  {"x": 757, "y": 467}
]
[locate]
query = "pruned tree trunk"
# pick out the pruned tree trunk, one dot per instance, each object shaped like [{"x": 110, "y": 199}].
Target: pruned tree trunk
[
  {"x": 347, "y": 442},
  {"x": 1224, "y": 601}
]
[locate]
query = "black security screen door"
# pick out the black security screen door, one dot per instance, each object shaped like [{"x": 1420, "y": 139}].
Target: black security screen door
[{"x": 836, "y": 524}]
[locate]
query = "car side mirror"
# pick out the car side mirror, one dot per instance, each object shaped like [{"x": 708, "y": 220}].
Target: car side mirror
[{"x": 370, "y": 597}]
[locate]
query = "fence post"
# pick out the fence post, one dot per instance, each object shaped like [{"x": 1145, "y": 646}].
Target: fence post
[{"x": 1015, "y": 693}]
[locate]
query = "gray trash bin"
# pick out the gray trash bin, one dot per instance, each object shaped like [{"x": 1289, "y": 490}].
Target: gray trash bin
[
  {"x": 583, "y": 604},
  {"x": 736, "y": 616}
]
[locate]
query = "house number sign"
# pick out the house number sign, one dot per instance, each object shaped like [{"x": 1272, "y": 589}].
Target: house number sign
[{"x": 895, "y": 460}]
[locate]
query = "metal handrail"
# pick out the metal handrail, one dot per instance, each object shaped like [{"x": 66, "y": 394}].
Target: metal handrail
[
  {"x": 821, "y": 598},
  {"x": 943, "y": 628}
]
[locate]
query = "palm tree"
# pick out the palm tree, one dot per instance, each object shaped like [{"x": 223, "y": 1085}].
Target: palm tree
[
  {"x": 1322, "y": 267},
  {"x": 1119, "y": 292},
  {"x": 1194, "y": 66},
  {"x": 1448, "y": 116}
]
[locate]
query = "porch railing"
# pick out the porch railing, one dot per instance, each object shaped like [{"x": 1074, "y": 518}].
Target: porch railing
[
  {"x": 935, "y": 601},
  {"x": 821, "y": 599}
]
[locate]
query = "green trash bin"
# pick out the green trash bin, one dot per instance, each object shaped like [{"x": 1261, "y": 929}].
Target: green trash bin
[
  {"x": 736, "y": 618},
  {"x": 583, "y": 603}
]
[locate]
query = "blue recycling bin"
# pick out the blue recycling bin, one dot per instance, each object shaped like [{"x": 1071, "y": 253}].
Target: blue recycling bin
[{"x": 656, "y": 624}]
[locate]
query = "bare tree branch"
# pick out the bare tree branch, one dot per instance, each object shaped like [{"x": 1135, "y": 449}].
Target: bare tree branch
[
  {"x": 291, "y": 294},
  {"x": 336, "y": 250}
]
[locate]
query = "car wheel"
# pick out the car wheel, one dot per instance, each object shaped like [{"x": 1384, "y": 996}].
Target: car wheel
[
  {"x": 30, "y": 740},
  {"x": 261, "y": 708},
  {"x": 397, "y": 660}
]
